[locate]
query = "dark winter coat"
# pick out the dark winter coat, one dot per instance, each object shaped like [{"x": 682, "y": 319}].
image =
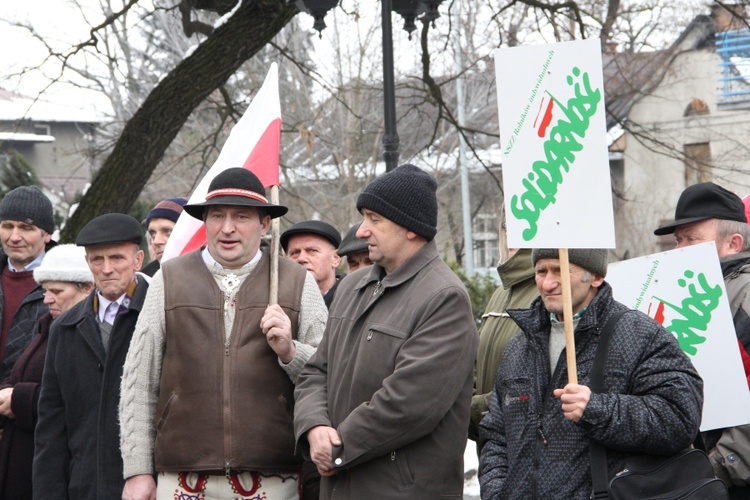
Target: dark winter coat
[
  {"x": 77, "y": 442},
  {"x": 330, "y": 294},
  {"x": 730, "y": 447},
  {"x": 651, "y": 404},
  {"x": 518, "y": 290},
  {"x": 23, "y": 326},
  {"x": 17, "y": 444},
  {"x": 393, "y": 375}
]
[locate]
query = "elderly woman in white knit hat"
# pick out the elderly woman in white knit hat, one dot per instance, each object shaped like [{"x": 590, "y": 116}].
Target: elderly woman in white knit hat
[{"x": 66, "y": 279}]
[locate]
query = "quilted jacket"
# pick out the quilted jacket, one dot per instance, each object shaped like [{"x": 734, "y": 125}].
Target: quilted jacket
[{"x": 651, "y": 404}]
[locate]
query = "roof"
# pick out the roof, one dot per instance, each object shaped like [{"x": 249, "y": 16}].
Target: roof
[
  {"x": 630, "y": 76},
  {"x": 21, "y": 137},
  {"x": 14, "y": 107}
]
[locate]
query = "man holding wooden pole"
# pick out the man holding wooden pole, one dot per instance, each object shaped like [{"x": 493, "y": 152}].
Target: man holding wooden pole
[
  {"x": 215, "y": 365},
  {"x": 535, "y": 439}
]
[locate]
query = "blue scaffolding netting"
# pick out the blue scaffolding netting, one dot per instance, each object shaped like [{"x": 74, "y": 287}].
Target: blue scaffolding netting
[{"x": 734, "y": 81}]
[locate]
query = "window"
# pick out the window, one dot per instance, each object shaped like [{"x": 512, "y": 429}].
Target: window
[
  {"x": 486, "y": 253},
  {"x": 42, "y": 129},
  {"x": 696, "y": 107},
  {"x": 486, "y": 241},
  {"x": 697, "y": 163}
]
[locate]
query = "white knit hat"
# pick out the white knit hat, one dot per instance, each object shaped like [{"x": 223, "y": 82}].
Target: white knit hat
[{"x": 64, "y": 263}]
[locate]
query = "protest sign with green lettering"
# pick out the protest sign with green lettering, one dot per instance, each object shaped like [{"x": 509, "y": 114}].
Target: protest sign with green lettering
[
  {"x": 684, "y": 290},
  {"x": 553, "y": 139}
]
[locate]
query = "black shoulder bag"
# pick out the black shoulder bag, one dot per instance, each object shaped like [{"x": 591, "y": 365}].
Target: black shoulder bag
[{"x": 686, "y": 475}]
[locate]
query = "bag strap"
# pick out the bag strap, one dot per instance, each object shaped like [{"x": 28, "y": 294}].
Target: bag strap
[{"x": 597, "y": 453}]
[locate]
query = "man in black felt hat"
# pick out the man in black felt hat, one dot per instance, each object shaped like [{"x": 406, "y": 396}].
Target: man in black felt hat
[
  {"x": 313, "y": 244},
  {"x": 708, "y": 212},
  {"x": 354, "y": 250},
  {"x": 77, "y": 447},
  {"x": 215, "y": 365}
]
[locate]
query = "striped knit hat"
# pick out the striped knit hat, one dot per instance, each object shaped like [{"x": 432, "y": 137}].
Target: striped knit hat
[{"x": 170, "y": 208}]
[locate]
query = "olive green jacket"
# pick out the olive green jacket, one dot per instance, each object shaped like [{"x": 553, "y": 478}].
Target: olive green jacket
[{"x": 517, "y": 291}]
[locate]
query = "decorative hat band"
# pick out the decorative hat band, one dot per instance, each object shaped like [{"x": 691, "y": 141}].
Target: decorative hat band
[{"x": 237, "y": 192}]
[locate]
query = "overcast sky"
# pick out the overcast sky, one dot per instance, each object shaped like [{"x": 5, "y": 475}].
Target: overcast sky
[{"x": 60, "y": 21}]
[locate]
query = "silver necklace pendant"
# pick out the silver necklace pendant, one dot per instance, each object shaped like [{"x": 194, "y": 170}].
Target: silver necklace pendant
[{"x": 230, "y": 282}]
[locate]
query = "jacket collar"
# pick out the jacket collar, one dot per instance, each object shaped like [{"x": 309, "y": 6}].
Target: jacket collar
[
  {"x": 404, "y": 272},
  {"x": 732, "y": 264},
  {"x": 4, "y": 258},
  {"x": 535, "y": 320},
  {"x": 86, "y": 307},
  {"x": 516, "y": 269}
]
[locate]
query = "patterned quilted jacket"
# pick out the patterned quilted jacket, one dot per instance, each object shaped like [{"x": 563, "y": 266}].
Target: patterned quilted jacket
[{"x": 652, "y": 404}]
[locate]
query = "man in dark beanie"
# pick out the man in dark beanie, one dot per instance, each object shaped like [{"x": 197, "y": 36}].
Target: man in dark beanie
[
  {"x": 535, "y": 439},
  {"x": 77, "y": 439},
  {"x": 208, "y": 386},
  {"x": 382, "y": 408},
  {"x": 26, "y": 227},
  {"x": 709, "y": 212},
  {"x": 159, "y": 224}
]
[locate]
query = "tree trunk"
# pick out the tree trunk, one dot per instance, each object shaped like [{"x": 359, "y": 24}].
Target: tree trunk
[{"x": 152, "y": 128}]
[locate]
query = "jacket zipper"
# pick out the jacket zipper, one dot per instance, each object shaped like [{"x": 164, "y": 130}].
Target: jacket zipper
[
  {"x": 538, "y": 354},
  {"x": 541, "y": 432},
  {"x": 225, "y": 389}
]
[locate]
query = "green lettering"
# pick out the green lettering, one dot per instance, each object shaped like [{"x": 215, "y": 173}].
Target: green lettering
[
  {"x": 695, "y": 310},
  {"x": 526, "y": 210}
]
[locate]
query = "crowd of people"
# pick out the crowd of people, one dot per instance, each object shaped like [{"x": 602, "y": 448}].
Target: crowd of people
[{"x": 195, "y": 378}]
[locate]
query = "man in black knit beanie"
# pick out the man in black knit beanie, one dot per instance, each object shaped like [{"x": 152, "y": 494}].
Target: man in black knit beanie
[
  {"x": 26, "y": 227},
  {"x": 382, "y": 408}
]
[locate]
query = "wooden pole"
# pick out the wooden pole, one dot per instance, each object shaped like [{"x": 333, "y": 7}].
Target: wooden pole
[
  {"x": 274, "y": 285},
  {"x": 570, "y": 343}
]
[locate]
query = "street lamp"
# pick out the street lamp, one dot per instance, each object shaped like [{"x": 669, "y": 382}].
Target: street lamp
[
  {"x": 318, "y": 9},
  {"x": 409, "y": 10}
]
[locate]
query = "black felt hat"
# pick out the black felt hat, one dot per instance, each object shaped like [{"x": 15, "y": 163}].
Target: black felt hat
[
  {"x": 705, "y": 201},
  {"x": 318, "y": 227},
  {"x": 110, "y": 228},
  {"x": 352, "y": 244},
  {"x": 236, "y": 186}
]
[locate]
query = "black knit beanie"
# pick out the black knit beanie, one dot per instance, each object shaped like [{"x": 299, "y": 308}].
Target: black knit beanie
[
  {"x": 593, "y": 260},
  {"x": 407, "y": 196},
  {"x": 29, "y": 205}
]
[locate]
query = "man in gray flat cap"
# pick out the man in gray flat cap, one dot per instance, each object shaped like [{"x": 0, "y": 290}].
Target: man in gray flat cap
[
  {"x": 26, "y": 227},
  {"x": 77, "y": 452},
  {"x": 208, "y": 387}
]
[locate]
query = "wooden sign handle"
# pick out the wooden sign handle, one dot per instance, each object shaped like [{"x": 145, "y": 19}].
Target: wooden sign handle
[
  {"x": 274, "y": 285},
  {"x": 570, "y": 343}
]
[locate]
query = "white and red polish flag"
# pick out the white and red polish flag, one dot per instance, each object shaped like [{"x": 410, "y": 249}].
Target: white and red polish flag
[{"x": 253, "y": 144}]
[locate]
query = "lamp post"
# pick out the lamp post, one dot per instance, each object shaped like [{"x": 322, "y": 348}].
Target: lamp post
[{"x": 409, "y": 10}]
